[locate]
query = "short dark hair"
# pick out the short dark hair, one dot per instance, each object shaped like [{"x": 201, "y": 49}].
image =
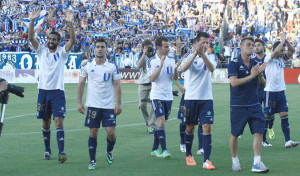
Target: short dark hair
[
  {"x": 57, "y": 34},
  {"x": 276, "y": 44},
  {"x": 202, "y": 34},
  {"x": 159, "y": 40},
  {"x": 147, "y": 42},
  {"x": 101, "y": 40},
  {"x": 260, "y": 41},
  {"x": 246, "y": 38}
]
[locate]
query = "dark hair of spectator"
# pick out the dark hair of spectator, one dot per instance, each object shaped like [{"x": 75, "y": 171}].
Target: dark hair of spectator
[
  {"x": 276, "y": 44},
  {"x": 247, "y": 38},
  {"x": 159, "y": 40},
  {"x": 57, "y": 34},
  {"x": 259, "y": 41},
  {"x": 101, "y": 40},
  {"x": 146, "y": 43},
  {"x": 202, "y": 34}
]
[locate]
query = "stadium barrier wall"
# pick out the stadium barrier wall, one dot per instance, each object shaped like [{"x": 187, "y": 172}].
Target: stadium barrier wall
[{"x": 292, "y": 76}]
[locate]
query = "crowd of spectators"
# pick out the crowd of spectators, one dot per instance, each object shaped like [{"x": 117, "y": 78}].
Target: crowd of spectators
[{"x": 126, "y": 23}]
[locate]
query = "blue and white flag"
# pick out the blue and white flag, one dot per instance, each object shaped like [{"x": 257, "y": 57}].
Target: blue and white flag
[{"x": 38, "y": 22}]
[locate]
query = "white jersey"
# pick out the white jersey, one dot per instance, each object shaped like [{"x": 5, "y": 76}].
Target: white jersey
[
  {"x": 275, "y": 74},
  {"x": 162, "y": 86},
  {"x": 100, "y": 89},
  {"x": 51, "y": 68},
  {"x": 185, "y": 76},
  {"x": 199, "y": 85}
]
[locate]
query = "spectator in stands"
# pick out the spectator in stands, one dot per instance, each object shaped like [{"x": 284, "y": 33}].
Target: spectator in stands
[
  {"x": 296, "y": 61},
  {"x": 77, "y": 47},
  {"x": 227, "y": 52}
]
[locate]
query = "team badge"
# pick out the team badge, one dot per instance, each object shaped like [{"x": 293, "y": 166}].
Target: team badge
[
  {"x": 169, "y": 69},
  {"x": 209, "y": 113},
  {"x": 106, "y": 76},
  {"x": 112, "y": 116}
]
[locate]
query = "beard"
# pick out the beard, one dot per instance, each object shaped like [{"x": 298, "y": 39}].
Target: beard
[
  {"x": 52, "y": 46},
  {"x": 259, "y": 52}
]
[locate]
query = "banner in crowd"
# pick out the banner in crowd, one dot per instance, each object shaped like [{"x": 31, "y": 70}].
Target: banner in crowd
[
  {"x": 26, "y": 60},
  {"x": 292, "y": 76}
]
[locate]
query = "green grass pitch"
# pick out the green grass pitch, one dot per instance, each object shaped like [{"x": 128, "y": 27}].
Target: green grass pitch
[{"x": 22, "y": 147}]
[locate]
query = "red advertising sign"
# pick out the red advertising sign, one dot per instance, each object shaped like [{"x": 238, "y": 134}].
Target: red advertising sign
[{"x": 292, "y": 76}]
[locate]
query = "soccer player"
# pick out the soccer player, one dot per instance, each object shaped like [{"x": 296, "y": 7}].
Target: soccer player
[
  {"x": 145, "y": 86},
  {"x": 103, "y": 79},
  {"x": 51, "y": 97},
  {"x": 275, "y": 101},
  {"x": 181, "y": 110},
  {"x": 198, "y": 98},
  {"x": 259, "y": 57},
  {"x": 245, "y": 74},
  {"x": 161, "y": 69}
]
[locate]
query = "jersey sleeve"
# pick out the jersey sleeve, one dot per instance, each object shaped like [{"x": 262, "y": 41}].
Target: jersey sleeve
[
  {"x": 39, "y": 51},
  {"x": 268, "y": 58},
  {"x": 116, "y": 72},
  {"x": 233, "y": 69},
  {"x": 213, "y": 59},
  {"x": 83, "y": 71},
  {"x": 151, "y": 67},
  {"x": 64, "y": 53}
]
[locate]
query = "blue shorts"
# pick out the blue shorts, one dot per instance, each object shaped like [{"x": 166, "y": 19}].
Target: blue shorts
[
  {"x": 181, "y": 109},
  {"x": 94, "y": 116},
  {"x": 162, "y": 108},
  {"x": 275, "y": 102},
  {"x": 51, "y": 102},
  {"x": 199, "y": 112},
  {"x": 240, "y": 116}
]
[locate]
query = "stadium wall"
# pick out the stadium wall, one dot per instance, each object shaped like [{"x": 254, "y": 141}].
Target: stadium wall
[{"x": 292, "y": 76}]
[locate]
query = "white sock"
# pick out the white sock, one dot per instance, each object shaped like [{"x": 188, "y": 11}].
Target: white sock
[
  {"x": 236, "y": 159},
  {"x": 257, "y": 159}
]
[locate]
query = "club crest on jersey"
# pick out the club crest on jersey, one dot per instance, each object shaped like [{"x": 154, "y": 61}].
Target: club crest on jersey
[
  {"x": 169, "y": 69},
  {"x": 106, "y": 76}
]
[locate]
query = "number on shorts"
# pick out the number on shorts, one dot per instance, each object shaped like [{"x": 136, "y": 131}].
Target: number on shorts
[{"x": 92, "y": 114}]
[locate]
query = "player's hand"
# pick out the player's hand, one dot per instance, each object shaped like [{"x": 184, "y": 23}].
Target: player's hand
[
  {"x": 162, "y": 60},
  {"x": 35, "y": 14},
  {"x": 200, "y": 49},
  {"x": 3, "y": 85},
  {"x": 255, "y": 70},
  {"x": 118, "y": 109},
  {"x": 145, "y": 51},
  {"x": 283, "y": 37},
  {"x": 262, "y": 68},
  {"x": 177, "y": 64},
  {"x": 80, "y": 108},
  {"x": 69, "y": 17}
]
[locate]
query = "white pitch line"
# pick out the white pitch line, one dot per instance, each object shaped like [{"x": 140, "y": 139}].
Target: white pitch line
[
  {"x": 74, "y": 130},
  {"x": 72, "y": 109}
]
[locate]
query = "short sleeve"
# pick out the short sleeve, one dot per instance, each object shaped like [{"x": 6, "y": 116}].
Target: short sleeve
[
  {"x": 213, "y": 59},
  {"x": 233, "y": 69},
  {"x": 268, "y": 58},
  {"x": 116, "y": 72},
  {"x": 83, "y": 71},
  {"x": 64, "y": 53},
  {"x": 151, "y": 67}
]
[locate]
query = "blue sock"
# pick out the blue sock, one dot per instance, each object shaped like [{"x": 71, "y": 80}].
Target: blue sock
[
  {"x": 207, "y": 146},
  {"x": 46, "y": 134},
  {"x": 200, "y": 135},
  {"x": 162, "y": 137},
  {"x": 189, "y": 137},
  {"x": 110, "y": 145},
  {"x": 156, "y": 141},
  {"x": 182, "y": 127},
  {"x": 60, "y": 137},
  {"x": 285, "y": 126},
  {"x": 92, "y": 147},
  {"x": 266, "y": 128},
  {"x": 271, "y": 122}
]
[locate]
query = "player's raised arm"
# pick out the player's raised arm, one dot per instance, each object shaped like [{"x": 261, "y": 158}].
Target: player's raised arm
[
  {"x": 280, "y": 46},
  {"x": 69, "y": 18},
  {"x": 34, "y": 16},
  {"x": 291, "y": 49}
]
